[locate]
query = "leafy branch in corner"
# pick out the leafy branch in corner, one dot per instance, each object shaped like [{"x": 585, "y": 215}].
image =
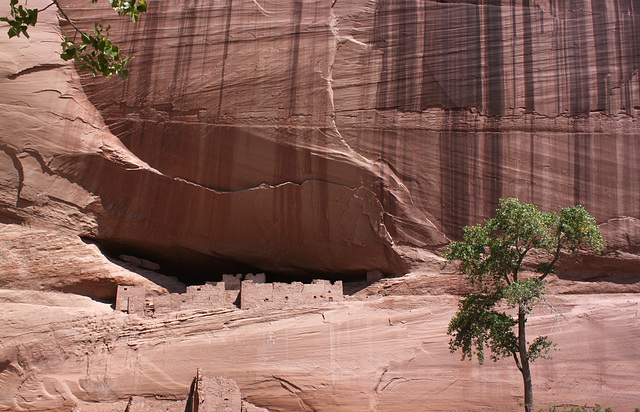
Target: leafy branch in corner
[{"x": 94, "y": 51}]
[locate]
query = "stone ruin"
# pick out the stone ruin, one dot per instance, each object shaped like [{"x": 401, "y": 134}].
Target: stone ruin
[
  {"x": 131, "y": 299},
  {"x": 282, "y": 295},
  {"x": 232, "y": 292},
  {"x": 207, "y": 394}
]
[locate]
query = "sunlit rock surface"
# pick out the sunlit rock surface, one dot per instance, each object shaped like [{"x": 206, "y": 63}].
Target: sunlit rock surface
[
  {"x": 297, "y": 136},
  {"x": 305, "y": 138},
  {"x": 45, "y": 260},
  {"x": 381, "y": 354}
]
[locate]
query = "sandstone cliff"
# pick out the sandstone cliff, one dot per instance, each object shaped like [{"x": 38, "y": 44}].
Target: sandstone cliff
[
  {"x": 297, "y": 136},
  {"x": 300, "y": 138},
  {"x": 380, "y": 354}
]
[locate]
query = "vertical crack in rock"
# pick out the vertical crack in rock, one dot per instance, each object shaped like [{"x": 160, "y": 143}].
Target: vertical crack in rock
[
  {"x": 13, "y": 154},
  {"x": 294, "y": 57},
  {"x": 393, "y": 196},
  {"x": 332, "y": 22},
  {"x": 375, "y": 402}
]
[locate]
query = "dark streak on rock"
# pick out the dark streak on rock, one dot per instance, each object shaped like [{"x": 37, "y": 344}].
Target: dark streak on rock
[
  {"x": 457, "y": 151},
  {"x": 493, "y": 33},
  {"x": 396, "y": 34},
  {"x": 529, "y": 91},
  {"x": 582, "y": 168},
  {"x": 388, "y": 153},
  {"x": 295, "y": 53},
  {"x": 35, "y": 69},
  {"x": 532, "y": 168},
  {"x": 416, "y": 74},
  {"x": 574, "y": 38},
  {"x": 225, "y": 53},
  {"x": 405, "y": 59},
  {"x": 494, "y": 178},
  {"x": 145, "y": 55},
  {"x": 600, "y": 37}
]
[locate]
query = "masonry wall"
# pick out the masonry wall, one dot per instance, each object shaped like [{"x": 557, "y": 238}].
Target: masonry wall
[
  {"x": 233, "y": 282},
  {"x": 131, "y": 299},
  {"x": 281, "y": 295},
  {"x": 197, "y": 297}
]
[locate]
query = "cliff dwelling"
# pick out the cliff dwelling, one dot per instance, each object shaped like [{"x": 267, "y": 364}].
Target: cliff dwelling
[{"x": 234, "y": 291}]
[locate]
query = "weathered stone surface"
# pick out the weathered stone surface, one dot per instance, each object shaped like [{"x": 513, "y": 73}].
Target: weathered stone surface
[
  {"x": 214, "y": 394},
  {"x": 383, "y": 354},
  {"x": 140, "y": 404},
  {"x": 293, "y": 136},
  {"x": 41, "y": 259},
  {"x": 296, "y": 136}
]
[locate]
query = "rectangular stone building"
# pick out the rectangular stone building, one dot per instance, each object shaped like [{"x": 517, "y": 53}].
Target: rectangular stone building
[
  {"x": 131, "y": 299},
  {"x": 282, "y": 295}
]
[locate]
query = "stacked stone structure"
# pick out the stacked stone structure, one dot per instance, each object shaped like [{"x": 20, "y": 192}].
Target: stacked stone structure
[
  {"x": 280, "y": 295},
  {"x": 133, "y": 299},
  {"x": 233, "y": 282},
  {"x": 201, "y": 296}
]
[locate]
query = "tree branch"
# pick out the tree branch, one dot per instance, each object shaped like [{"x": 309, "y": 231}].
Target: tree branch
[
  {"x": 49, "y": 5},
  {"x": 521, "y": 257},
  {"x": 65, "y": 16},
  {"x": 515, "y": 357},
  {"x": 553, "y": 262}
]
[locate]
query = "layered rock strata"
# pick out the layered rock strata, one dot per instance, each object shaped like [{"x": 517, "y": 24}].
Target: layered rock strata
[
  {"x": 381, "y": 354},
  {"x": 337, "y": 137}
]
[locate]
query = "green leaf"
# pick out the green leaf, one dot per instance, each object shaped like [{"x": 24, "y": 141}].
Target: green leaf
[
  {"x": 96, "y": 53},
  {"x": 525, "y": 293},
  {"x": 492, "y": 256}
]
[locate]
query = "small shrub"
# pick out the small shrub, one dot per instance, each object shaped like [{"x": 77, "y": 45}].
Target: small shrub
[{"x": 574, "y": 408}]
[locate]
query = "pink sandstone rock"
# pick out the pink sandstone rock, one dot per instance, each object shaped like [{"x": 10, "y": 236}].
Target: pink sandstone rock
[
  {"x": 52, "y": 260},
  {"x": 382, "y": 354},
  {"x": 214, "y": 394},
  {"x": 300, "y": 137},
  {"x": 305, "y": 138}
]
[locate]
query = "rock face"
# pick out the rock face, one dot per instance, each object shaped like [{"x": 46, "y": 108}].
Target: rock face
[
  {"x": 325, "y": 137},
  {"x": 217, "y": 394},
  {"x": 306, "y": 137},
  {"x": 382, "y": 354},
  {"x": 46, "y": 260}
]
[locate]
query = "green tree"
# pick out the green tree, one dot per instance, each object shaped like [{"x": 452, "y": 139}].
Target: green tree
[
  {"x": 93, "y": 50},
  {"x": 493, "y": 315}
]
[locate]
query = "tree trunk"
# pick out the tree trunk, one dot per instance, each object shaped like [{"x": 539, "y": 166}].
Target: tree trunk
[{"x": 524, "y": 361}]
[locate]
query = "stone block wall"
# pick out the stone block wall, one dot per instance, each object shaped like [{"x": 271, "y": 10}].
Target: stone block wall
[
  {"x": 197, "y": 297},
  {"x": 257, "y": 278},
  {"x": 281, "y": 295},
  {"x": 232, "y": 282},
  {"x": 168, "y": 303},
  {"x": 206, "y": 295},
  {"x": 131, "y": 299}
]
